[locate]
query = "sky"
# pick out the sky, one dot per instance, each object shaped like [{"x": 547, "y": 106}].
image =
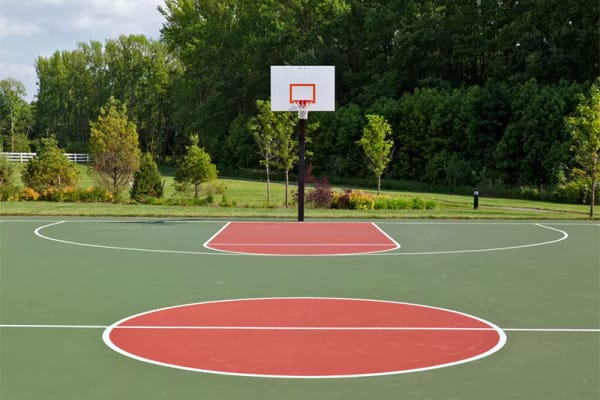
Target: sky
[{"x": 33, "y": 28}]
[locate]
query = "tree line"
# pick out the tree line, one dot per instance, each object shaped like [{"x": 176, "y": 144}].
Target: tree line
[{"x": 475, "y": 92}]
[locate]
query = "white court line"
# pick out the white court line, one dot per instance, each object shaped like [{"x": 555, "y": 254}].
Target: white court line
[
  {"x": 564, "y": 236},
  {"x": 98, "y": 246},
  {"x": 303, "y": 328}
]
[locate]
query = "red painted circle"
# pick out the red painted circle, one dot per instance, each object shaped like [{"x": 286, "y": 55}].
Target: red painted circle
[{"x": 304, "y": 337}]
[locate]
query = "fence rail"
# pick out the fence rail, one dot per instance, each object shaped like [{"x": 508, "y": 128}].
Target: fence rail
[{"x": 82, "y": 158}]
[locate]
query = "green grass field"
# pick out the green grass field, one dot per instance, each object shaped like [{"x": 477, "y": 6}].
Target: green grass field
[
  {"x": 251, "y": 202},
  {"x": 538, "y": 281}
]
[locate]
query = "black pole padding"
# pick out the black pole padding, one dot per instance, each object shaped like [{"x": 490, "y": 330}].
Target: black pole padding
[
  {"x": 476, "y": 199},
  {"x": 301, "y": 145}
]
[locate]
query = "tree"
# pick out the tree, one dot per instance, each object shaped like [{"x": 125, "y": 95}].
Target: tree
[
  {"x": 147, "y": 181},
  {"x": 377, "y": 145},
  {"x": 585, "y": 133},
  {"x": 14, "y": 114},
  {"x": 114, "y": 147},
  {"x": 6, "y": 172},
  {"x": 7, "y": 178},
  {"x": 50, "y": 168},
  {"x": 273, "y": 133},
  {"x": 196, "y": 167},
  {"x": 73, "y": 85},
  {"x": 262, "y": 128}
]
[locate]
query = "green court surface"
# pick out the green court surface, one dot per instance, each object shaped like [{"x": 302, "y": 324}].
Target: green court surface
[{"x": 63, "y": 281}]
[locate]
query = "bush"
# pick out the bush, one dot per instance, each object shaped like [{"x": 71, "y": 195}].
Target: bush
[
  {"x": 575, "y": 192},
  {"x": 7, "y": 172},
  {"x": 147, "y": 181},
  {"x": 57, "y": 194},
  {"x": 69, "y": 194},
  {"x": 417, "y": 203},
  {"x": 392, "y": 203},
  {"x": 341, "y": 200},
  {"x": 225, "y": 202},
  {"x": 94, "y": 194},
  {"x": 29, "y": 194},
  {"x": 9, "y": 192},
  {"x": 351, "y": 200},
  {"x": 321, "y": 196},
  {"x": 50, "y": 168},
  {"x": 361, "y": 200}
]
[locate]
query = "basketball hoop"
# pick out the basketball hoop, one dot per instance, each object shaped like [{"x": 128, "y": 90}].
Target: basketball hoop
[{"x": 302, "y": 108}]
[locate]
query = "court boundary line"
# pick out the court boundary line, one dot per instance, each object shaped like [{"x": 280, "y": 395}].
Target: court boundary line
[{"x": 564, "y": 236}]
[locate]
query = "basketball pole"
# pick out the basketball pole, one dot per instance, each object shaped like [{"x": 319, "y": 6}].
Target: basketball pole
[{"x": 301, "y": 145}]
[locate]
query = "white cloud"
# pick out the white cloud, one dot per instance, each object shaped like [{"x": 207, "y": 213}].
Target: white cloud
[
  {"x": 33, "y": 28},
  {"x": 10, "y": 28},
  {"x": 24, "y": 73}
]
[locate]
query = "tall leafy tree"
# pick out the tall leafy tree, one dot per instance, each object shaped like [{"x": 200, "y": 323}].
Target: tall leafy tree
[
  {"x": 377, "y": 145},
  {"x": 114, "y": 147},
  {"x": 584, "y": 126},
  {"x": 73, "y": 85},
  {"x": 14, "y": 115}
]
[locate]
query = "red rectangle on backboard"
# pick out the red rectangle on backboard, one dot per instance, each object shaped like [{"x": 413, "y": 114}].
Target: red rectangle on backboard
[{"x": 303, "y": 92}]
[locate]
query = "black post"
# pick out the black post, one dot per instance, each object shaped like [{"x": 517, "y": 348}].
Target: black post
[
  {"x": 301, "y": 144},
  {"x": 476, "y": 199}
]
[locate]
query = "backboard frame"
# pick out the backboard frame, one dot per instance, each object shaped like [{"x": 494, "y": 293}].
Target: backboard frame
[{"x": 291, "y": 84}]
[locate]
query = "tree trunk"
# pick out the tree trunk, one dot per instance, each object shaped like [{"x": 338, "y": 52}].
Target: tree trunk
[
  {"x": 12, "y": 134},
  {"x": 268, "y": 183},
  {"x": 287, "y": 180},
  {"x": 593, "y": 196},
  {"x": 378, "y": 185},
  {"x": 196, "y": 187}
]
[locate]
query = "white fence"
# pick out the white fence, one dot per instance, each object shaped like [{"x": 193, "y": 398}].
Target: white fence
[{"x": 25, "y": 157}]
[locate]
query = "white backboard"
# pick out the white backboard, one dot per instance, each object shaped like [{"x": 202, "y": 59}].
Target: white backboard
[{"x": 312, "y": 83}]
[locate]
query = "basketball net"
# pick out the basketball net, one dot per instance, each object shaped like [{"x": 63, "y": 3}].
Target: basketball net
[{"x": 302, "y": 108}]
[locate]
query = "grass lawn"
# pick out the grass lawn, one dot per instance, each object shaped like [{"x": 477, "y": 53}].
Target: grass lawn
[{"x": 250, "y": 198}]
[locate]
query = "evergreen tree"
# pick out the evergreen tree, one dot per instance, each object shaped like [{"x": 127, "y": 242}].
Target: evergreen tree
[
  {"x": 114, "y": 146},
  {"x": 50, "y": 168},
  {"x": 147, "y": 181}
]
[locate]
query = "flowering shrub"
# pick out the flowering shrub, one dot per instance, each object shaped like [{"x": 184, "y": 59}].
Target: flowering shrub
[
  {"x": 95, "y": 195},
  {"x": 28, "y": 194},
  {"x": 341, "y": 200},
  {"x": 359, "y": 200},
  {"x": 68, "y": 194}
]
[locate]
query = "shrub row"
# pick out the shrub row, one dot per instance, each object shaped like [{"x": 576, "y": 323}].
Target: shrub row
[
  {"x": 320, "y": 197},
  {"x": 65, "y": 194}
]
